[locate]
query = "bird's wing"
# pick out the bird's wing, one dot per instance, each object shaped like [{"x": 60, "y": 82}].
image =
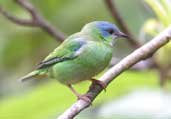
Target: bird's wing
[{"x": 68, "y": 50}]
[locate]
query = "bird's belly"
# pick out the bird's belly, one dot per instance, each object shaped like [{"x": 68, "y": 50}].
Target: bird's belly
[
  {"x": 82, "y": 68},
  {"x": 70, "y": 73}
]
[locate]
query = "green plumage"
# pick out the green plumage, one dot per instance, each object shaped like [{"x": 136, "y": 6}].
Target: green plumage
[
  {"x": 93, "y": 57},
  {"x": 81, "y": 56}
]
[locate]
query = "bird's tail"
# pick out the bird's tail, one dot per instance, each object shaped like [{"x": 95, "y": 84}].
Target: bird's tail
[{"x": 32, "y": 75}]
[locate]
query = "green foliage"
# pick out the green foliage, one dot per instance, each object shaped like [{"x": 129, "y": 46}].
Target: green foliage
[
  {"x": 153, "y": 26},
  {"x": 162, "y": 10}
]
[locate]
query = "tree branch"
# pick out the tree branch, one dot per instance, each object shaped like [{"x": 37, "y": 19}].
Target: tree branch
[
  {"x": 123, "y": 26},
  {"x": 138, "y": 55},
  {"x": 16, "y": 20},
  {"x": 36, "y": 20}
]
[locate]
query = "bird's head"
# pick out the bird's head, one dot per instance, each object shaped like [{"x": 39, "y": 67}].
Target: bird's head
[{"x": 103, "y": 30}]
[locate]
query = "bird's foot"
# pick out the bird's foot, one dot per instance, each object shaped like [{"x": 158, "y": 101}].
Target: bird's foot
[
  {"x": 100, "y": 83},
  {"x": 84, "y": 97}
]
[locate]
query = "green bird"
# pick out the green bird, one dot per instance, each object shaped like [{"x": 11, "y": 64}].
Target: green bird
[{"x": 80, "y": 57}]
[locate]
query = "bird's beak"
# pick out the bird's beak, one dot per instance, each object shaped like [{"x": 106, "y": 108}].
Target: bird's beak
[{"x": 122, "y": 35}]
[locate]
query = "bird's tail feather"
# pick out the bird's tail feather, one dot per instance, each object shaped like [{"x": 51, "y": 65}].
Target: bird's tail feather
[{"x": 29, "y": 76}]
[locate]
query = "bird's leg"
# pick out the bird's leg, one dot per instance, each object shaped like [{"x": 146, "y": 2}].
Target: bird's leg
[
  {"x": 79, "y": 96},
  {"x": 98, "y": 82}
]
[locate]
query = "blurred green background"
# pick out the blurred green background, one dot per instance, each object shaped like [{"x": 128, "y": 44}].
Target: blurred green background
[{"x": 21, "y": 48}]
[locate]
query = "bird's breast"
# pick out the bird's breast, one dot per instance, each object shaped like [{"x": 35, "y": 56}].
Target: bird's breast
[{"x": 96, "y": 56}]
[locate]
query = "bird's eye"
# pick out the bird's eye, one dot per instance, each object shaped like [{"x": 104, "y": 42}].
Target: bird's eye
[{"x": 110, "y": 31}]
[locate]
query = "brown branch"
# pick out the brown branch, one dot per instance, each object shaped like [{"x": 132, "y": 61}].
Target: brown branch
[
  {"x": 36, "y": 20},
  {"x": 123, "y": 26},
  {"x": 16, "y": 20},
  {"x": 138, "y": 55}
]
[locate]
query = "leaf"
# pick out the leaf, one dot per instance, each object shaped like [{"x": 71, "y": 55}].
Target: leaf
[{"x": 159, "y": 10}]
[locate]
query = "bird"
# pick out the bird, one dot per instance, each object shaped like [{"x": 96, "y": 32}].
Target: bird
[{"x": 80, "y": 57}]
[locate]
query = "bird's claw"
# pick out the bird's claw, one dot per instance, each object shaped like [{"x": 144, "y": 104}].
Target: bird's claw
[
  {"x": 84, "y": 97},
  {"x": 100, "y": 83}
]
